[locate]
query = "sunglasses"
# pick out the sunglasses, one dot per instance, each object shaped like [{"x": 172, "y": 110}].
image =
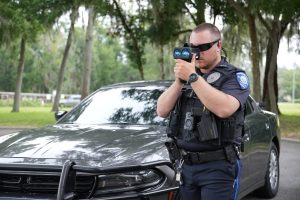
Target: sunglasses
[{"x": 202, "y": 47}]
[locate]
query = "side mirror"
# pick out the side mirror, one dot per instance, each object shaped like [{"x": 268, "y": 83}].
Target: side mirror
[
  {"x": 59, "y": 114},
  {"x": 262, "y": 105}
]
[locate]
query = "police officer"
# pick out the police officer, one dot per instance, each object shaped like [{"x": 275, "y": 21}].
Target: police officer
[{"x": 206, "y": 118}]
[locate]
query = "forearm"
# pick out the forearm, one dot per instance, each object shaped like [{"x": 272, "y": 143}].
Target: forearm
[
  {"x": 221, "y": 104},
  {"x": 167, "y": 100}
]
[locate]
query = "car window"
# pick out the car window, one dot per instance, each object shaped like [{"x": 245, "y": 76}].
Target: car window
[
  {"x": 251, "y": 106},
  {"x": 118, "y": 105}
]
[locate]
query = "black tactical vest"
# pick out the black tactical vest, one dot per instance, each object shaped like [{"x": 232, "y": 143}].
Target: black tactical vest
[{"x": 192, "y": 122}]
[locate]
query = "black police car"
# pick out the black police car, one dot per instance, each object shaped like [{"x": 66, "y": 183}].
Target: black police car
[{"x": 111, "y": 146}]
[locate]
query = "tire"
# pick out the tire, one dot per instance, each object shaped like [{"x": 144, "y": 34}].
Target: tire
[{"x": 270, "y": 189}]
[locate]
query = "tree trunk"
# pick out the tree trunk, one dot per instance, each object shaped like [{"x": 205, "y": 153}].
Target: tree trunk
[
  {"x": 17, "y": 96},
  {"x": 270, "y": 81},
  {"x": 161, "y": 62},
  {"x": 254, "y": 58},
  {"x": 266, "y": 98},
  {"x": 73, "y": 17},
  {"x": 140, "y": 63},
  {"x": 85, "y": 90},
  {"x": 200, "y": 7},
  {"x": 271, "y": 76}
]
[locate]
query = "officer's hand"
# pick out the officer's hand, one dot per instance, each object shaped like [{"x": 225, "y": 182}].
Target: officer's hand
[
  {"x": 184, "y": 69},
  {"x": 178, "y": 80}
]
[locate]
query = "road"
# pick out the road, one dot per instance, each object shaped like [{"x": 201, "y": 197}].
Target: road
[
  {"x": 289, "y": 188},
  {"x": 289, "y": 161}
]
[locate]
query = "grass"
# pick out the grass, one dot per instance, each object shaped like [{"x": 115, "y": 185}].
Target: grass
[
  {"x": 28, "y": 117},
  {"x": 290, "y": 120},
  {"x": 40, "y": 116}
]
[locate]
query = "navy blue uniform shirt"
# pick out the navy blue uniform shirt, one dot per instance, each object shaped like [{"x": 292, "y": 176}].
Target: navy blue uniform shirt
[{"x": 236, "y": 85}]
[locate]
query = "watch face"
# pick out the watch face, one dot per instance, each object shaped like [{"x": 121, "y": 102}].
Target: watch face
[{"x": 193, "y": 77}]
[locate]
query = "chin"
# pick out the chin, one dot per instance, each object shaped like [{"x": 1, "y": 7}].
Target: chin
[{"x": 201, "y": 65}]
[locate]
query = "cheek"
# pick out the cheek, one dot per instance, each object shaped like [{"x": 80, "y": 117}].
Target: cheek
[
  {"x": 204, "y": 55},
  {"x": 207, "y": 55}
]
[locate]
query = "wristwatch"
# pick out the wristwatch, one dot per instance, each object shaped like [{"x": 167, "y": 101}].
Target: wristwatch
[{"x": 193, "y": 77}]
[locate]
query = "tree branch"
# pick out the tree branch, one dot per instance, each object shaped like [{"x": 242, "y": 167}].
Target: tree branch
[
  {"x": 123, "y": 20},
  {"x": 264, "y": 22},
  {"x": 243, "y": 11},
  {"x": 191, "y": 14},
  {"x": 191, "y": 2},
  {"x": 182, "y": 31}
]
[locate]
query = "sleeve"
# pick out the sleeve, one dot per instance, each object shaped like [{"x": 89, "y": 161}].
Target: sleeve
[{"x": 238, "y": 86}]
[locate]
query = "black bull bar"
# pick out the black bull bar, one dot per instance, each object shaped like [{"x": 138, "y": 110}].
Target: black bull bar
[{"x": 68, "y": 173}]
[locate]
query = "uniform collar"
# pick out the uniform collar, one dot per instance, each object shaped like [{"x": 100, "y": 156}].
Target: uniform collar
[{"x": 223, "y": 62}]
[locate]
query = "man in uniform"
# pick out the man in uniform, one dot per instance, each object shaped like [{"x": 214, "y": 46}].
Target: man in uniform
[{"x": 206, "y": 118}]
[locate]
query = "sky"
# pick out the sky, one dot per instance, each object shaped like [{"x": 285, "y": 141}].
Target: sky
[{"x": 288, "y": 57}]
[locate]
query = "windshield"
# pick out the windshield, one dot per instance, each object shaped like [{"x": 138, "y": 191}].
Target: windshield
[{"x": 118, "y": 106}]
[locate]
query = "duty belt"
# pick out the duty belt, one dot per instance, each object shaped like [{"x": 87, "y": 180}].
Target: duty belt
[
  {"x": 230, "y": 153},
  {"x": 226, "y": 153}
]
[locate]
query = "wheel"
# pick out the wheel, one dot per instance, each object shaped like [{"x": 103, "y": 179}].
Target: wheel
[{"x": 270, "y": 189}]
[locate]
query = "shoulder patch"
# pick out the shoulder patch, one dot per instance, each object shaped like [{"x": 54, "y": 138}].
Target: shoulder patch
[
  {"x": 213, "y": 77},
  {"x": 242, "y": 79}
]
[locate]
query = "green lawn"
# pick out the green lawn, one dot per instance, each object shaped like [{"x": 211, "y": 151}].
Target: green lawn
[
  {"x": 41, "y": 116},
  {"x": 27, "y": 117},
  {"x": 290, "y": 120}
]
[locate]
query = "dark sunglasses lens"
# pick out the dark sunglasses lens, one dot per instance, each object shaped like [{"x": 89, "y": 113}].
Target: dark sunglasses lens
[
  {"x": 202, "y": 47},
  {"x": 195, "y": 50},
  {"x": 205, "y": 47}
]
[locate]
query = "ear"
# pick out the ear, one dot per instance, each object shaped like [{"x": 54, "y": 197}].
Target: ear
[{"x": 219, "y": 45}]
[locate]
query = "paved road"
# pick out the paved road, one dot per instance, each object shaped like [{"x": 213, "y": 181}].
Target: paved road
[{"x": 289, "y": 188}]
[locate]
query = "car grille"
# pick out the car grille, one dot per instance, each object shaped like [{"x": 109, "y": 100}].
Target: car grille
[{"x": 43, "y": 184}]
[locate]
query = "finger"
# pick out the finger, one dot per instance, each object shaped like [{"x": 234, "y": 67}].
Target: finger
[
  {"x": 193, "y": 61},
  {"x": 178, "y": 61}
]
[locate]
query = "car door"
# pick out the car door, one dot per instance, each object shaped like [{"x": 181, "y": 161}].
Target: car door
[
  {"x": 257, "y": 145},
  {"x": 260, "y": 143},
  {"x": 245, "y": 178}
]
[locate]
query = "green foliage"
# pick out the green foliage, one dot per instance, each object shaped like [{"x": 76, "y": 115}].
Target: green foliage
[
  {"x": 164, "y": 23},
  {"x": 223, "y": 9},
  {"x": 152, "y": 70},
  {"x": 7, "y": 69},
  {"x": 287, "y": 8},
  {"x": 19, "y": 21},
  {"x": 118, "y": 51},
  {"x": 109, "y": 62}
]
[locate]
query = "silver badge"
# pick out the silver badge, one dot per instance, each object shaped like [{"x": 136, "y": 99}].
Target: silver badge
[{"x": 213, "y": 77}]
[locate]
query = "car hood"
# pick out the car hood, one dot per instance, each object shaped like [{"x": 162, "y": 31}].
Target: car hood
[{"x": 101, "y": 145}]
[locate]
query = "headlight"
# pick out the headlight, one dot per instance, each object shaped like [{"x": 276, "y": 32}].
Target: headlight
[{"x": 124, "y": 182}]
